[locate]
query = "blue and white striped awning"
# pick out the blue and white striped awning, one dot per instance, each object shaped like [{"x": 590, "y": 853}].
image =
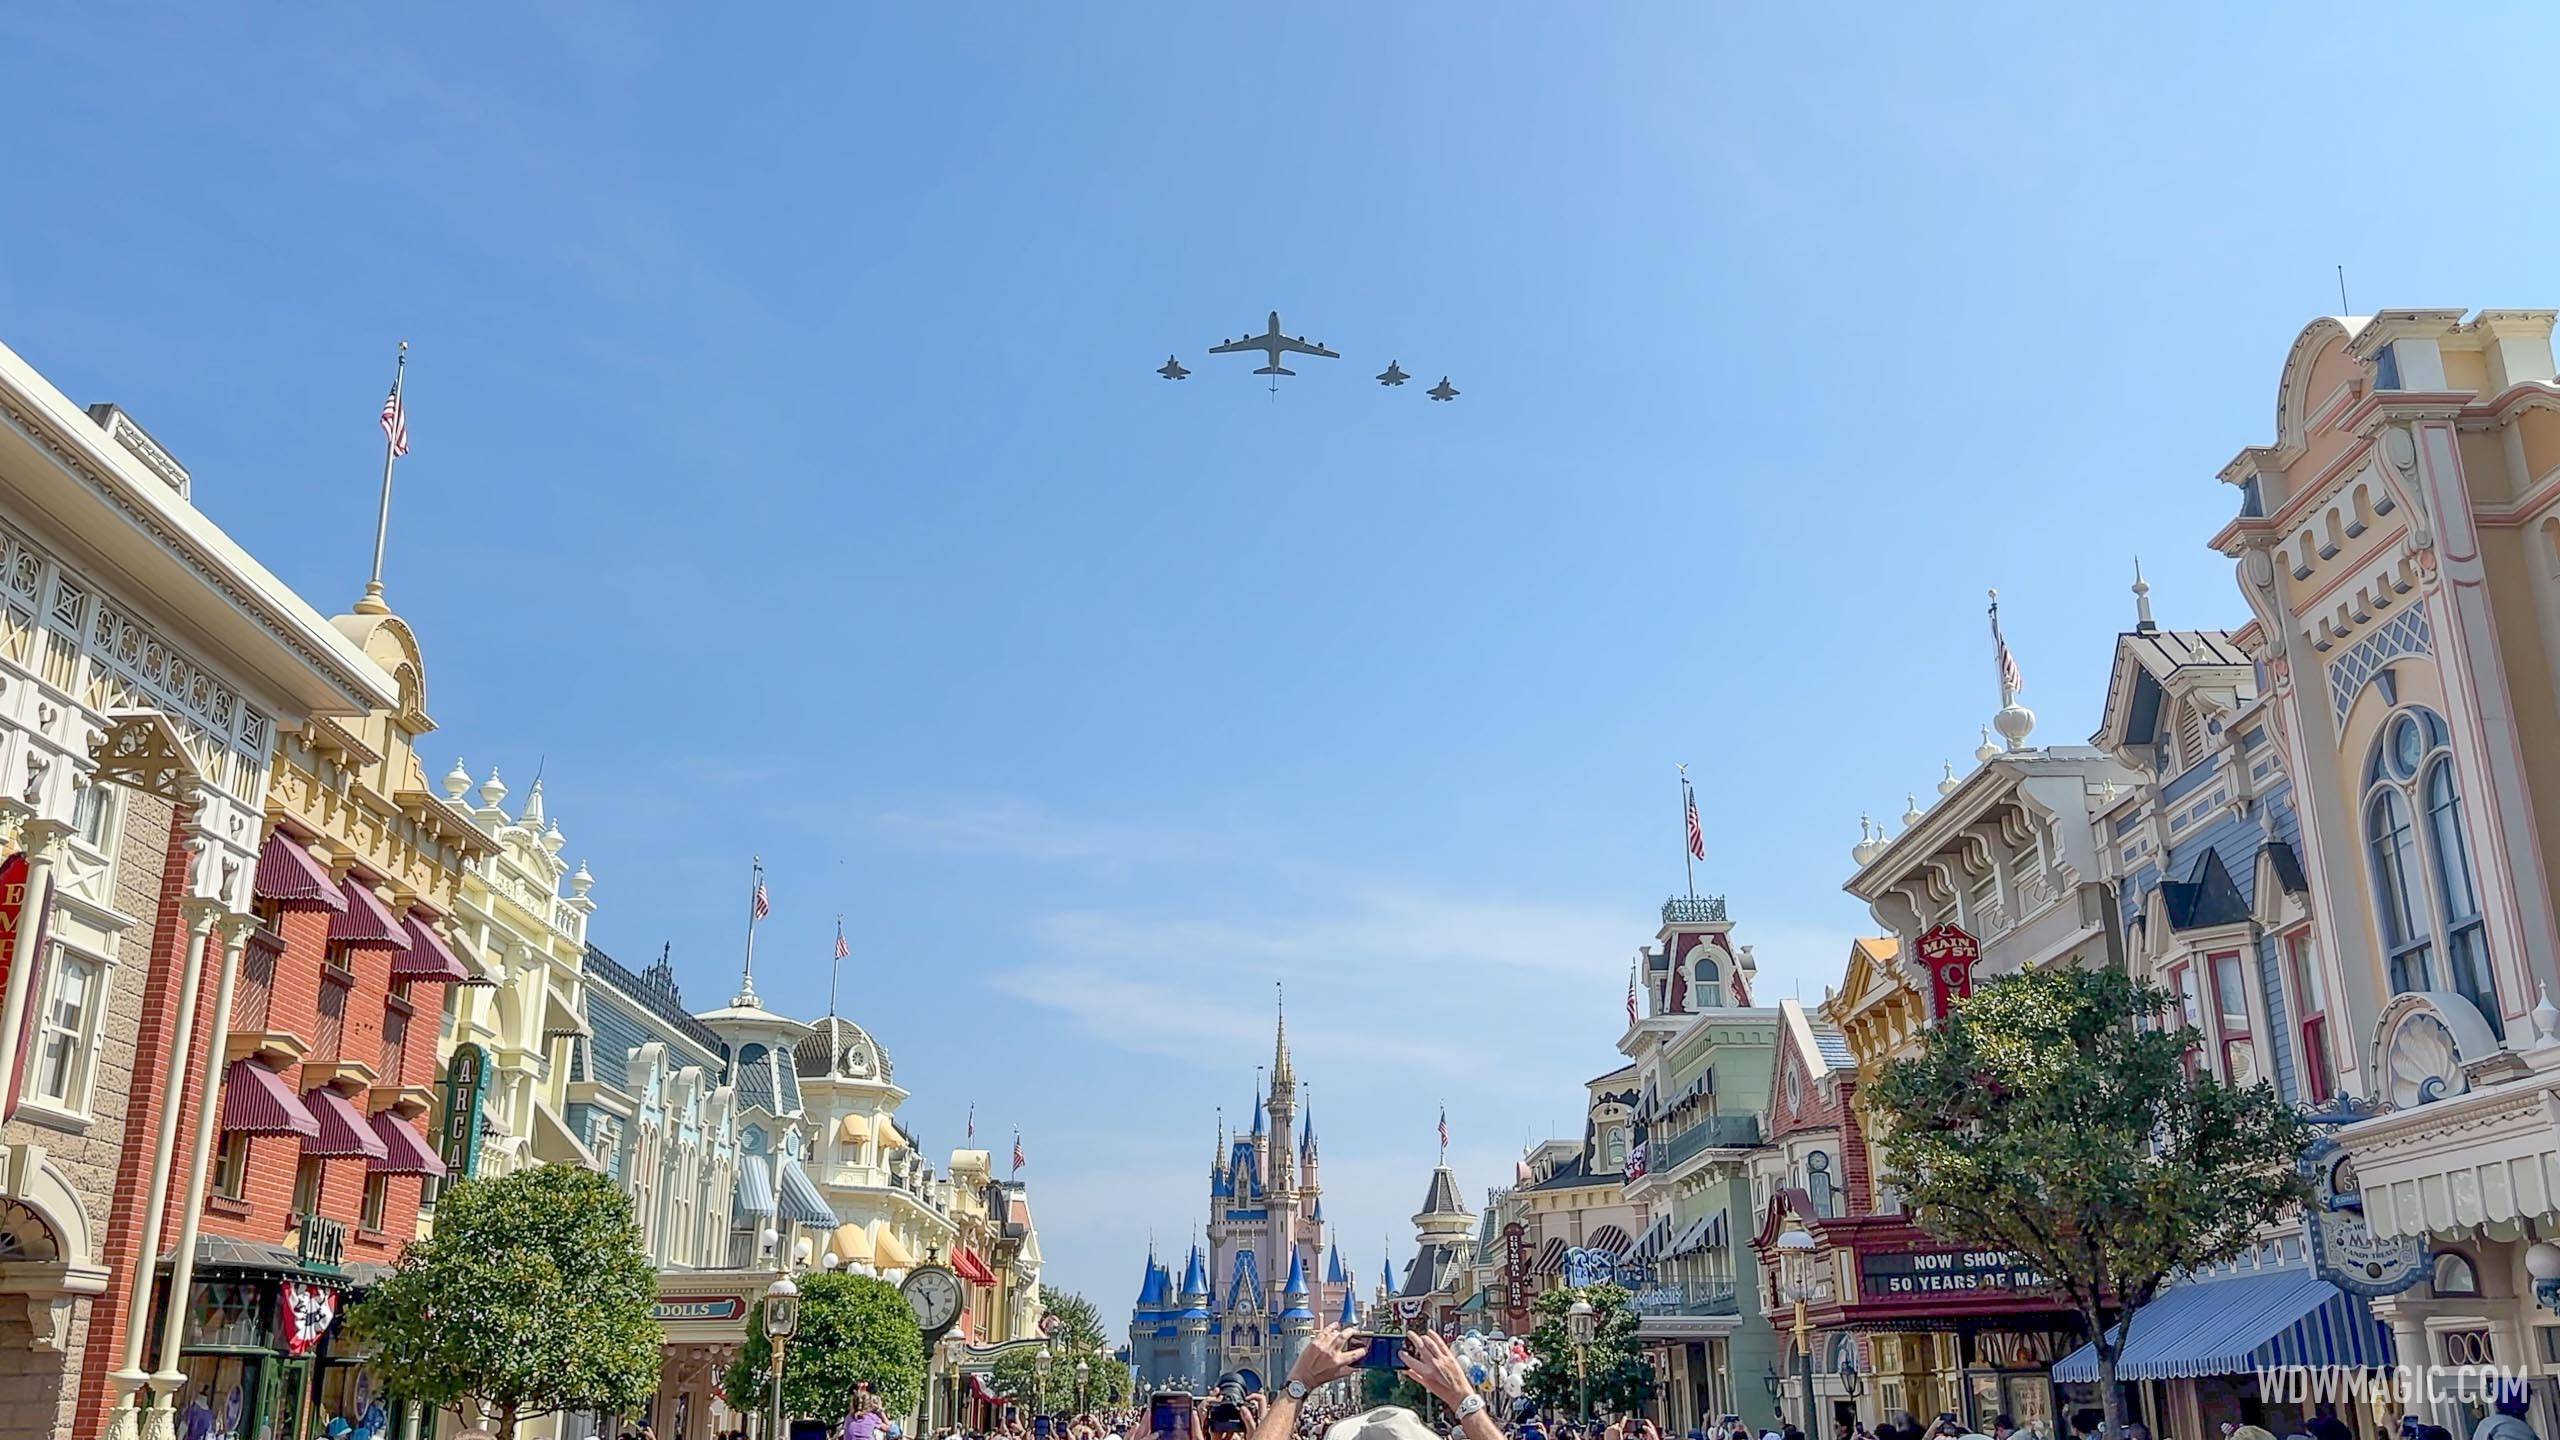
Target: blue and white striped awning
[
  {"x": 755, "y": 1187},
  {"x": 801, "y": 1202},
  {"x": 2232, "y": 1326}
]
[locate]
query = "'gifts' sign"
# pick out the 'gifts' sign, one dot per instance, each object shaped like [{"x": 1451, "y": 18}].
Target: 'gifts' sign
[{"x": 1948, "y": 953}]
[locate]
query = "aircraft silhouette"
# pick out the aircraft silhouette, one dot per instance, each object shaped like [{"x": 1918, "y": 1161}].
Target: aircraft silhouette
[
  {"x": 1443, "y": 391},
  {"x": 1172, "y": 369},
  {"x": 1274, "y": 344},
  {"x": 1393, "y": 374}
]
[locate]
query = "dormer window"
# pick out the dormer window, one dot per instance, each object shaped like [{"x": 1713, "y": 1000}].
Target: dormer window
[{"x": 2386, "y": 369}]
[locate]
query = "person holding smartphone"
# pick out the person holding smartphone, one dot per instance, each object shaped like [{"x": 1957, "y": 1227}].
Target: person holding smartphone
[{"x": 1334, "y": 1352}]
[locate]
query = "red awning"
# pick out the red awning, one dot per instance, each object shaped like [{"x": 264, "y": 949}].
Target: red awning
[
  {"x": 428, "y": 958},
  {"x": 288, "y": 875},
  {"x": 979, "y": 1387},
  {"x": 410, "y": 1153},
  {"x": 258, "y": 1101},
  {"x": 366, "y": 921},
  {"x": 341, "y": 1130},
  {"x": 970, "y": 1267}
]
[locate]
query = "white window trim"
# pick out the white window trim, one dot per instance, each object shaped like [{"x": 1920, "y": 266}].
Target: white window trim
[{"x": 75, "y": 1110}]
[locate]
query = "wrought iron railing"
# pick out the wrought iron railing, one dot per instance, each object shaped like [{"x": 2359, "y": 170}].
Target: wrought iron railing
[
  {"x": 1692, "y": 909},
  {"x": 1685, "y": 1297},
  {"x": 1712, "y": 1132}
]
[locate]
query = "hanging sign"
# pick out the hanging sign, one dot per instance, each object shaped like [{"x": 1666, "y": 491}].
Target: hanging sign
[
  {"x": 1949, "y": 953},
  {"x": 309, "y": 1311},
  {"x": 2344, "y": 1250},
  {"x": 466, "y": 1079},
  {"x": 1515, "y": 1278}
]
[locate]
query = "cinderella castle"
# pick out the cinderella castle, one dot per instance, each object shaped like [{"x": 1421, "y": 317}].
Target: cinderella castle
[{"x": 1266, "y": 1225}]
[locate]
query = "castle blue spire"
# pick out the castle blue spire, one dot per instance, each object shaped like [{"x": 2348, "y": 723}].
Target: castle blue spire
[
  {"x": 1257, "y": 1104},
  {"x": 1387, "y": 1274},
  {"x": 1195, "y": 1277},
  {"x": 1350, "y": 1317},
  {"x": 1334, "y": 1274},
  {"x": 1296, "y": 1293},
  {"x": 1151, "y": 1291}
]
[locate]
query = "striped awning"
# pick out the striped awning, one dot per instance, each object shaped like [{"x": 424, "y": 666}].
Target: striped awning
[
  {"x": 258, "y": 1101},
  {"x": 2235, "y": 1326},
  {"x": 562, "y": 1018},
  {"x": 289, "y": 876},
  {"x": 970, "y": 1268},
  {"x": 1609, "y": 1238},
  {"x": 408, "y": 1152},
  {"x": 798, "y": 1199},
  {"x": 1693, "y": 1238},
  {"x": 366, "y": 922},
  {"x": 755, "y": 1187},
  {"x": 1550, "y": 1258},
  {"x": 428, "y": 958},
  {"x": 1650, "y": 1243},
  {"x": 342, "y": 1130}
]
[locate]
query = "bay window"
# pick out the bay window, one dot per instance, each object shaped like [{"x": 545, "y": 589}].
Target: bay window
[
  {"x": 2431, "y": 909},
  {"x": 2311, "y": 1011},
  {"x": 2231, "y": 1019}
]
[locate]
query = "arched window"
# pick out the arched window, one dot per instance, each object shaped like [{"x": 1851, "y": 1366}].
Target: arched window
[
  {"x": 2430, "y": 913},
  {"x": 2395, "y": 880},
  {"x": 2466, "y": 954},
  {"x": 2452, "y": 1274},
  {"x": 1818, "y": 1184},
  {"x": 749, "y": 1057}
]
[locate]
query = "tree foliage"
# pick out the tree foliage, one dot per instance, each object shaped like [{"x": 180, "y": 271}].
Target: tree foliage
[
  {"x": 1621, "y": 1378},
  {"x": 533, "y": 1295},
  {"x": 2053, "y": 1115},
  {"x": 852, "y": 1328},
  {"x": 1075, "y": 1333}
]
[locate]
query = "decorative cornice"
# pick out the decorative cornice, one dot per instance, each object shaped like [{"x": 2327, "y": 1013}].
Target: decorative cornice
[{"x": 350, "y": 684}]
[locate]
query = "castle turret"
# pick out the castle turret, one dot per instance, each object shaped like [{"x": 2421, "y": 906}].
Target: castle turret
[
  {"x": 1284, "y": 1108},
  {"x": 1297, "y": 1321},
  {"x": 1193, "y": 1322}
]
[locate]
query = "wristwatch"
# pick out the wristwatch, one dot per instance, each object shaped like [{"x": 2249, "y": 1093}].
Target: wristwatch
[
  {"x": 1296, "y": 1389},
  {"x": 1472, "y": 1405}
]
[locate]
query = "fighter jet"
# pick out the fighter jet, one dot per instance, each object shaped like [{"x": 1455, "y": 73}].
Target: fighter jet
[
  {"x": 1443, "y": 391},
  {"x": 1393, "y": 374},
  {"x": 1172, "y": 369},
  {"x": 1274, "y": 344}
]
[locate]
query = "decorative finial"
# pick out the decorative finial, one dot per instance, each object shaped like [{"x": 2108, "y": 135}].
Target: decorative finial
[
  {"x": 492, "y": 790},
  {"x": 1947, "y": 782},
  {"x": 457, "y": 781},
  {"x": 582, "y": 881},
  {"x": 1911, "y": 813},
  {"x": 1986, "y": 750},
  {"x": 2142, "y": 621},
  {"x": 2546, "y": 1020}
]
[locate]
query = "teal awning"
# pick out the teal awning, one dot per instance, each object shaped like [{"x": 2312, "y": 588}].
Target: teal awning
[{"x": 2231, "y": 1326}]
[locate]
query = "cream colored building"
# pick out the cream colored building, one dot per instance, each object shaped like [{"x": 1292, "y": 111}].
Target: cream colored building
[
  {"x": 524, "y": 913},
  {"x": 892, "y": 1211}
]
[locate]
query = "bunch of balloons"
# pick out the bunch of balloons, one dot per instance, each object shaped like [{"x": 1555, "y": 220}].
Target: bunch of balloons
[{"x": 1495, "y": 1359}]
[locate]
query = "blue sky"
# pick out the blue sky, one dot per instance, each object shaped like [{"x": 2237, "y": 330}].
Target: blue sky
[{"x": 789, "y": 476}]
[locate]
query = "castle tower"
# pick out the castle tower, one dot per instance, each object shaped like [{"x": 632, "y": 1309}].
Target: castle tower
[
  {"x": 1193, "y": 1322},
  {"x": 1284, "y": 1107},
  {"x": 1297, "y": 1321}
]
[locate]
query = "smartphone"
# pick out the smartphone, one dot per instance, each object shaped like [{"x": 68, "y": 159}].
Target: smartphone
[
  {"x": 1385, "y": 1352},
  {"x": 1169, "y": 1413}
]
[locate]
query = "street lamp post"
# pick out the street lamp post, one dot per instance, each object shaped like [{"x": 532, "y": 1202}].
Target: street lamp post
[
  {"x": 1795, "y": 1252},
  {"x": 1040, "y": 1364},
  {"x": 781, "y": 1317},
  {"x": 1582, "y": 1323},
  {"x": 1084, "y": 1371}
]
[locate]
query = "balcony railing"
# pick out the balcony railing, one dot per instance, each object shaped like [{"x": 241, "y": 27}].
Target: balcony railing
[
  {"x": 1685, "y": 1297},
  {"x": 1712, "y": 1132},
  {"x": 1692, "y": 909}
]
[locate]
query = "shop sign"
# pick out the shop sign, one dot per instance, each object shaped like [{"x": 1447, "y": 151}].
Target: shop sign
[
  {"x": 1949, "y": 953},
  {"x": 2344, "y": 1250},
  {"x": 1929, "y": 1273},
  {"x": 1515, "y": 1278},
  {"x": 466, "y": 1079},
  {"x": 1600, "y": 1267},
  {"x": 672, "y": 1308}
]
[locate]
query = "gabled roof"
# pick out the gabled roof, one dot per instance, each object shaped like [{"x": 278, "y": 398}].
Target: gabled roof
[
  {"x": 1244, "y": 1289},
  {"x": 1432, "y": 1270},
  {"x": 2145, "y": 662},
  {"x": 2207, "y": 900}
]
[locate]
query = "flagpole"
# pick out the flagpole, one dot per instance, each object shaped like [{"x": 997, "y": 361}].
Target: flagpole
[
  {"x": 390, "y": 455},
  {"x": 747, "y": 980},
  {"x": 835, "y": 965},
  {"x": 1688, "y": 857}
]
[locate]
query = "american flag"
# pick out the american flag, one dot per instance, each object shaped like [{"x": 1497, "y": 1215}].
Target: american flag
[
  {"x": 1697, "y": 832},
  {"x": 395, "y": 422},
  {"x": 843, "y": 951},
  {"x": 2010, "y": 679},
  {"x": 973, "y": 1119},
  {"x": 1631, "y": 992},
  {"x": 1444, "y": 1127},
  {"x": 762, "y": 905},
  {"x": 1018, "y": 1156}
]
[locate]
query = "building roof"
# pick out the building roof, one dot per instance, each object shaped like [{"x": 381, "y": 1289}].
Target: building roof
[
  {"x": 654, "y": 992},
  {"x": 1442, "y": 1198},
  {"x": 1433, "y": 1272}
]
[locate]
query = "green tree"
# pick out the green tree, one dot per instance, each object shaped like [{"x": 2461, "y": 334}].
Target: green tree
[
  {"x": 533, "y": 1296},
  {"x": 2053, "y": 1115},
  {"x": 852, "y": 1328},
  {"x": 1075, "y": 1333},
  {"x": 1621, "y": 1378}
]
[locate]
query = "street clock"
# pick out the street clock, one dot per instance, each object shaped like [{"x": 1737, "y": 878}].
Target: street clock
[{"x": 933, "y": 1292}]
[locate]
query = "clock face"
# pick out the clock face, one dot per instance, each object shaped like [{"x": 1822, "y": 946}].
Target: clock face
[{"x": 934, "y": 1294}]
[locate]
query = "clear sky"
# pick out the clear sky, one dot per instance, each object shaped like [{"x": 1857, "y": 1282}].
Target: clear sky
[{"x": 789, "y": 475}]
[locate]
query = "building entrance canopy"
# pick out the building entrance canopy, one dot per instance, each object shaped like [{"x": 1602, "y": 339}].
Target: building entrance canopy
[{"x": 2233, "y": 1326}]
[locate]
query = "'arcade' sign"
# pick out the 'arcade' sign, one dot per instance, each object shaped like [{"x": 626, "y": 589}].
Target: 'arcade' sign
[{"x": 1949, "y": 952}]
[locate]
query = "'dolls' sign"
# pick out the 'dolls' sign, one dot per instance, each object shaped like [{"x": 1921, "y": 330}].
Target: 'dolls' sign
[{"x": 1948, "y": 952}]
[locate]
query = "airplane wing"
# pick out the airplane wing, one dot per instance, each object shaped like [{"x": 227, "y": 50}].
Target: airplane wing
[
  {"x": 1249, "y": 342},
  {"x": 1301, "y": 347}
]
